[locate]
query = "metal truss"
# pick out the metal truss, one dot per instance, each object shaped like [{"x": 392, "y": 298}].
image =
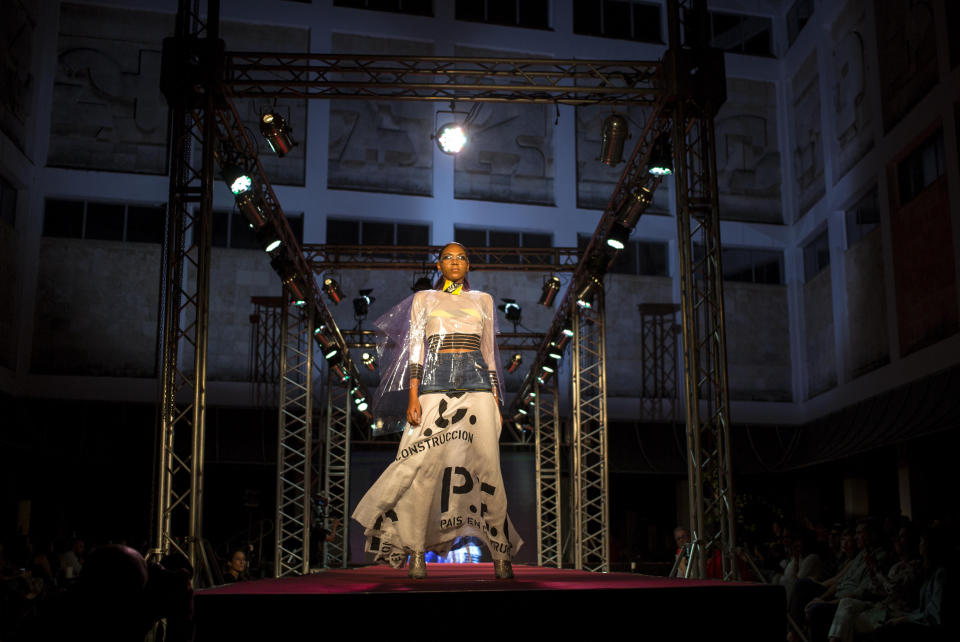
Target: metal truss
[
  {"x": 438, "y": 78},
  {"x": 184, "y": 313},
  {"x": 265, "y": 336},
  {"x": 546, "y": 424},
  {"x": 658, "y": 362},
  {"x": 590, "y": 464},
  {"x": 336, "y": 480},
  {"x": 693, "y": 67},
  {"x": 294, "y": 436},
  {"x": 390, "y": 257}
]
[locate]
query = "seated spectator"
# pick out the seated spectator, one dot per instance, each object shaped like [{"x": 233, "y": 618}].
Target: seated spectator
[
  {"x": 236, "y": 566},
  {"x": 71, "y": 561},
  {"x": 804, "y": 563},
  {"x": 856, "y": 581},
  {"x": 681, "y": 536},
  {"x": 899, "y": 588}
]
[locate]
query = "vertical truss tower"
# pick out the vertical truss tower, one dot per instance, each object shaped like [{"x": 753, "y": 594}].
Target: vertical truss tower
[
  {"x": 336, "y": 480},
  {"x": 658, "y": 362},
  {"x": 697, "y": 80},
  {"x": 590, "y": 463},
  {"x": 185, "y": 285},
  {"x": 294, "y": 435},
  {"x": 265, "y": 349},
  {"x": 546, "y": 419}
]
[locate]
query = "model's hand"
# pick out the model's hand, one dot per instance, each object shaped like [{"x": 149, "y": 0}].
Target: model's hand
[{"x": 413, "y": 412}]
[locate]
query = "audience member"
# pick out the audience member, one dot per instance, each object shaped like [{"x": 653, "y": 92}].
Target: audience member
[
  {"x": 71, "y": 560},
  {"x": 681, "y": 536},
  {"x": 236, "y": 566}
]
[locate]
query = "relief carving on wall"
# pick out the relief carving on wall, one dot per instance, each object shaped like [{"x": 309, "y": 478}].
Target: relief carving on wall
[
  {"x": 510, "y": 155},
  {"x": 807, "y": 134},
  {"x": 596, "y": 181},
  {"x": 853, "y": 107},
  {"x": 748, "y": 153},
  {"x": 108, "y": 113},
  {"x": 380, "y": 146},
  {"x": 907, "y": 55},
  {"x": 16, "y": 71}
]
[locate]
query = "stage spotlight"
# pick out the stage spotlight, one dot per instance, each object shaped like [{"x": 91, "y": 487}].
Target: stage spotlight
[
  {"x": 661, "y": 156},
  {"x": 369, "y": 360},
  {"x": 564, "y": 339},
  {"x": 550, "y": 289},
  {"x": 451, "y": 138},
  {"x": 637, "y": 201},
  {"x": 614, "y": 135},
  {"x": 269, "y": 239},
  {"x": 554, "y": 352},
  {"x": 514, "y": 362},
  {"x": 287, "y": 271},
  {"x": 423, "y": 283},
  {"x": 587, "y": 290},
  {"x": 332, "y": 355},
  {"x": 332, "y": 289},
  {"x": 618, "y": 236},
  {"x": 278, "y": 134},
  {"x": 361, "y": 305},
  {"x": 363, "y": 405},
  {"x": 237, "y": 179},
  {"x": 548, "y": 369},
  {"x": 247, "y": 204},
  {"x": 545, "y": 375},
  {"x": 511, "y": 310},
  {"x": 530, "y": 399}
]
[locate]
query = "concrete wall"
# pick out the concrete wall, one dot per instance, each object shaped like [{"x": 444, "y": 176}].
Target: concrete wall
[
  {"x": 867, "y": 305},
  {"x": 380, "y": 146},
  {"x": 8, "y": 285},
  {"x": 17, "y": 41},
  {"x": 758, "y": 342},
  {"x": 818, "y": 327},
  {"x": 96, "y": 308}
]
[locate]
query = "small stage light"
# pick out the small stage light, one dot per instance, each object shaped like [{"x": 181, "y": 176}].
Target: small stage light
[
  {"x": 521, "y": 411},
  {"x": 363, "y": 405},
  {"x": 547, "y": 368},
  {"x": 554, "y": 352},
  {"x": 617, "y": 239},
  {"x": 247, "y": 204},
  {"x": 530, "y": 399},
  {"x": 514, "y": 363},
  {"x": 237, "y": 179},
  {"x": 587, "y": 290},
  {"x": 637, "y": 201},
  {"x": 287, "y": 271},
  {"x": 369, "y": 360},
  {"x": 661, "y": 156},
  {"x": 361, "y": 305},
  {"x": 269, "y": 239},
  {"x": 332, "y": 289},
  {"x": 545, "y": 375},
  {"x": 614, "y": 135},
  {"x": 333, "y": 355},
  {"x": 511, "y": 310},
  {"x": 550, "y": 289},
  {"x": 451, "y": 138},
  {"x": 277, "y": 133}
]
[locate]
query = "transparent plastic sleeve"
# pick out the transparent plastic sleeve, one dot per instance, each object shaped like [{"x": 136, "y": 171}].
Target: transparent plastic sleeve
[{"x": 446, "y": 340}]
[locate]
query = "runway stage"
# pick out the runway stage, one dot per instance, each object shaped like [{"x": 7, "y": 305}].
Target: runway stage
[{"x": 538, "y": 601}]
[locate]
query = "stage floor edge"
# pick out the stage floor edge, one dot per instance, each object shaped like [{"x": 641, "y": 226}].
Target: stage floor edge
[{"x": 538, "y": 601}]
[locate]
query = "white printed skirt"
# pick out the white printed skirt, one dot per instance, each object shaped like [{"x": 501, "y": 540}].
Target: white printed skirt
[{"x": 444, "y": 483}]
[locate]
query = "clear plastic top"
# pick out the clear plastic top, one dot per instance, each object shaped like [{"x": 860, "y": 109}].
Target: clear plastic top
[{"x": 414, "y": 339}]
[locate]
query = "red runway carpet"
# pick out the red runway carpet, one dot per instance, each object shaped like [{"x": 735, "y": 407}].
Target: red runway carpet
[{"x": 538, "y": 601}]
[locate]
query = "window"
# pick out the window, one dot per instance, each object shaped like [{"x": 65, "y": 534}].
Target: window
[
  {"x": 413, "y": 7},
  {"x": 474, "y": 239},
  {"x": 533, "y": 14},
  {"x": 797, "y": 18},
  {"x": 748, "y": 265},
  {"x": 862, "y": 218},
  {"x": 816, "y": 256},
  {"x": 645, "y": 258},
  {"x": 103, "y": 221},
  {"x": 8, "y": 202},
  {"x": 736, "y": 33},
  {"x": 618, "y": 19},
  {"x": 920, "y": 168},
  {"x": 347, "y": 232}
]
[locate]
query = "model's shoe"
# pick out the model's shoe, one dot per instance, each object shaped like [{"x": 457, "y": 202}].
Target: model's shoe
[
  {"x": 503, "y": 569},
  {"x": 418, "y": 567}
]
